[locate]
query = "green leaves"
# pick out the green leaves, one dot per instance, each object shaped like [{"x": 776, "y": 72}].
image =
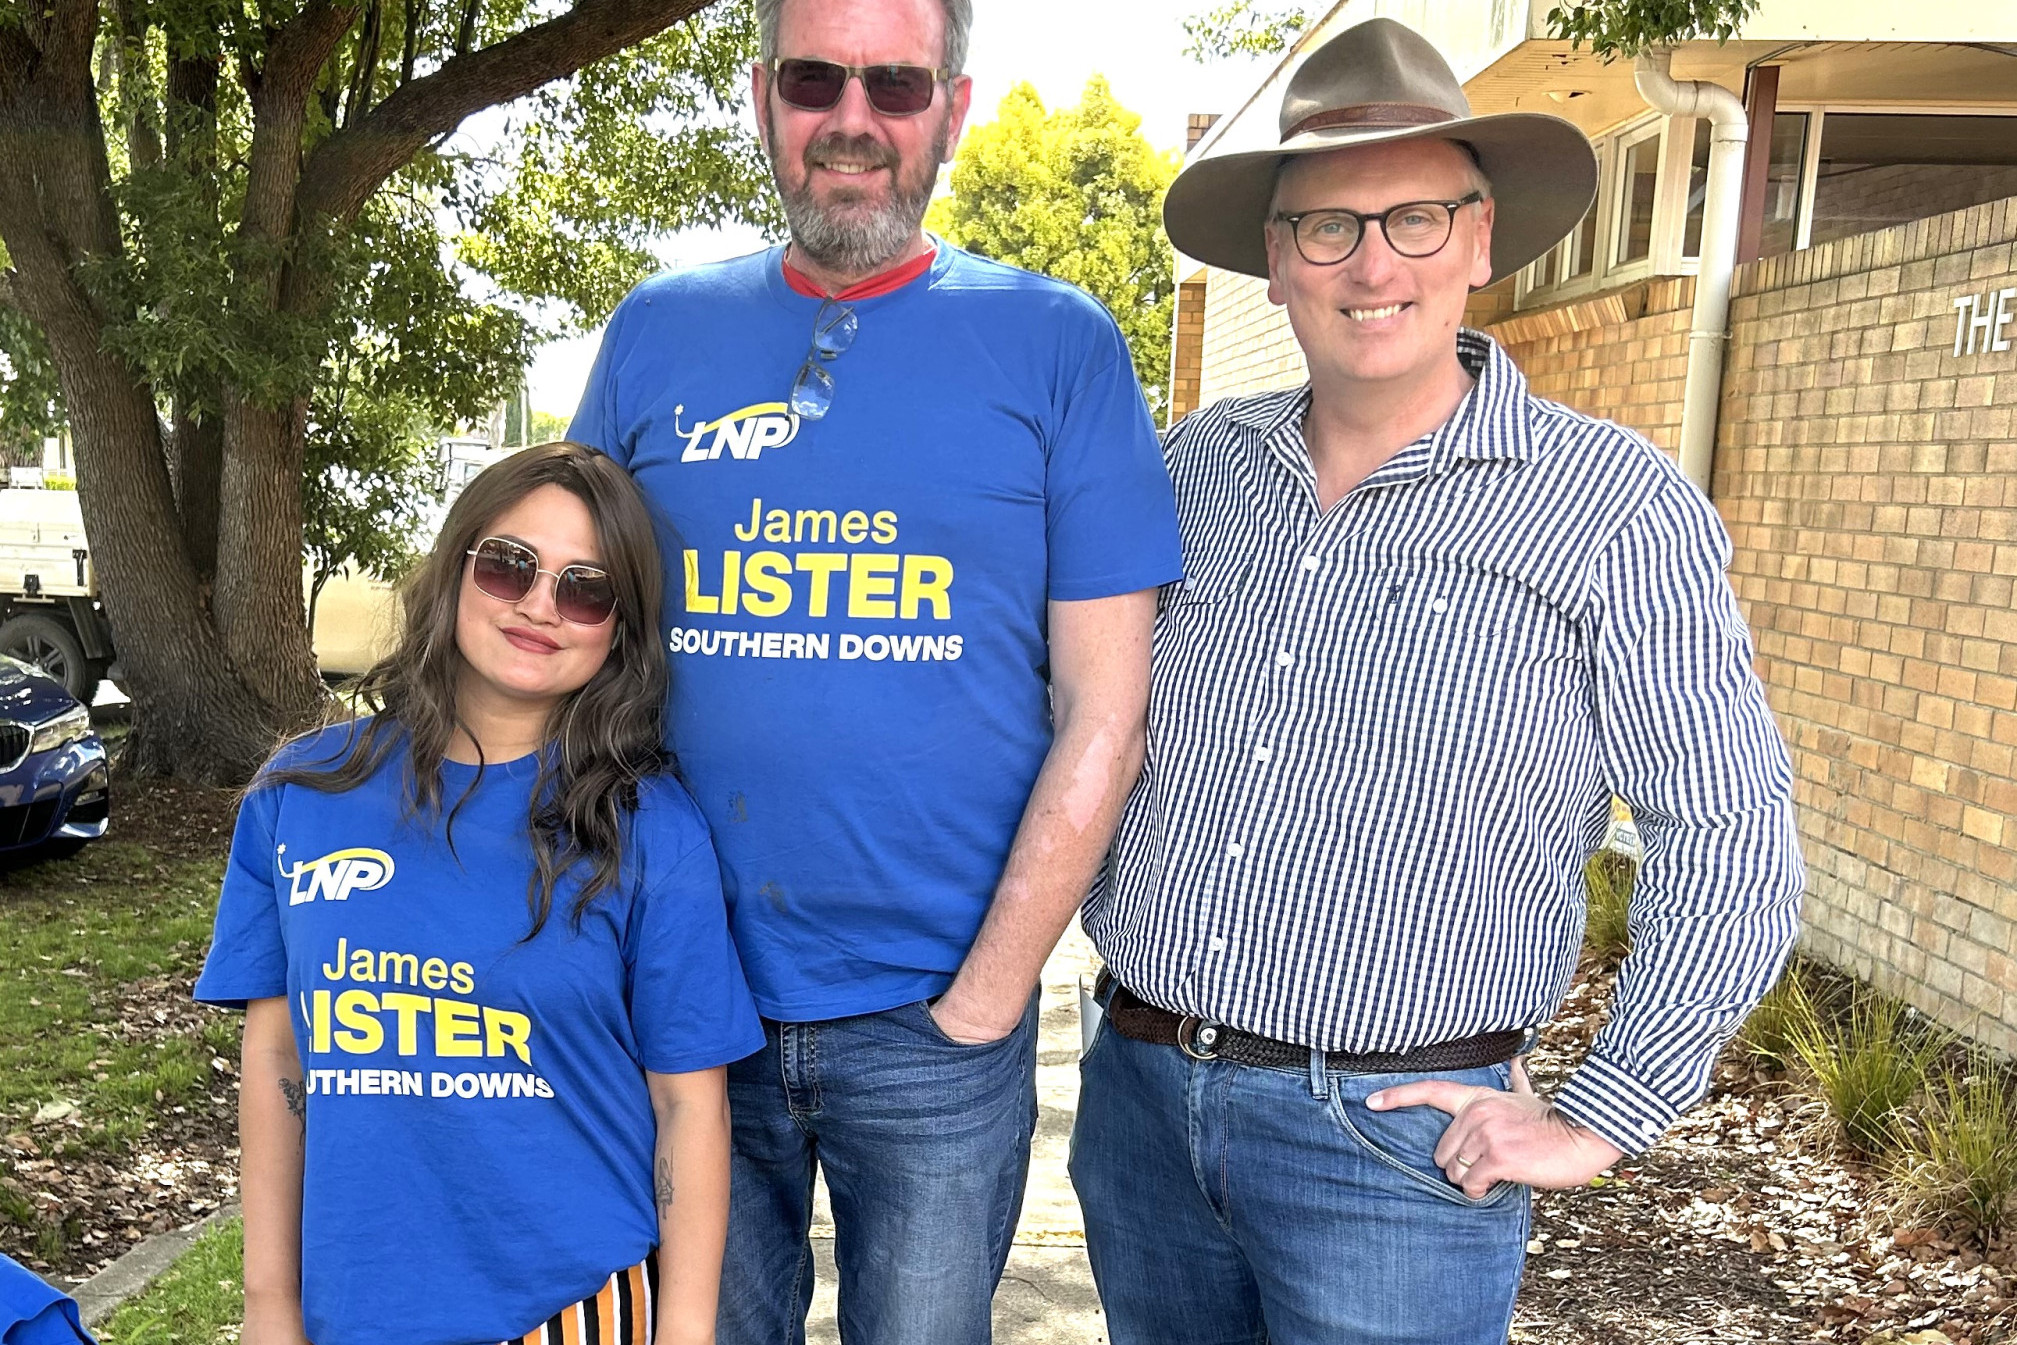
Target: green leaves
[
  {"x": 1244, "y": 28},
  {"x": 1075, "y": 194},
  {"x": 635, "y": 147},
  {"x": 416, "y": 356},
  {"x": 29, "y": 405},
  {"x": 1615, "y": 28}
]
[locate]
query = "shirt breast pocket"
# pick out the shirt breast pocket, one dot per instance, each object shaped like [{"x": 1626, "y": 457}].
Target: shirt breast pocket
[
  {"x": 1207, "y": 580},
  {"x": 1483, "y": 629},
  {"x": 1195, "y": 619}
]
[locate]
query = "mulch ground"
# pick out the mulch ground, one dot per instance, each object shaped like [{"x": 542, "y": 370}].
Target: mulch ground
[
  {"x": 185, "y": 1164},
  {"x": 181, "y": 1169},
  {"x": 1742, "y": 1225}
]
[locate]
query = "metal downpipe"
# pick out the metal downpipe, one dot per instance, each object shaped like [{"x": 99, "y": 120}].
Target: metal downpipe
[{"x": 1709, "y": 328}]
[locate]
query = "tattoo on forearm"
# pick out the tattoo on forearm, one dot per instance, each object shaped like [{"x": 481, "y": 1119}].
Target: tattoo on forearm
[
  {"x": 662, "y": 1184},
  {"x": 297, "y": 1099}
]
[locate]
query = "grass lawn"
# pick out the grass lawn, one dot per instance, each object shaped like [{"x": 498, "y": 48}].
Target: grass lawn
[
  {"x": 196, "y": 1303},
  {"x": 111, "y": 1081}
]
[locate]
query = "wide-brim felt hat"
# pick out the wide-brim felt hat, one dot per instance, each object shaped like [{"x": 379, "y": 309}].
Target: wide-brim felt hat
[{"x": 1380, "y": 81}]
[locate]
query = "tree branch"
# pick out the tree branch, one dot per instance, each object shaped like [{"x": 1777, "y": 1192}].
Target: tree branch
[
  {"x": 345, "y": 169},
  {"x": 280, "y": 109},
  {"x": 413, "y": 18}
]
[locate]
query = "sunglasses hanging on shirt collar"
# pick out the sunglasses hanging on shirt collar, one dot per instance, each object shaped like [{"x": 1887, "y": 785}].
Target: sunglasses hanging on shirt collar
[{"x": 833, "y": 329}]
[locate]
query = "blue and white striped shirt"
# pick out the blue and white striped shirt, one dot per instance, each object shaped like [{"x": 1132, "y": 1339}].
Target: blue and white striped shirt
[{"x": 1383, "y": 740}]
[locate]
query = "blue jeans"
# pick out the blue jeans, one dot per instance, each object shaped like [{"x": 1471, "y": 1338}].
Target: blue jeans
[
  {"x": 1231, "y": 1205},
  {"x": 925, "y": 1144}
]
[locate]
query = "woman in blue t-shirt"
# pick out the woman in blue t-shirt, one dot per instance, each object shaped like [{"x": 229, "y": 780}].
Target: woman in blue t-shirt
[{"x": 480, "y": 939}]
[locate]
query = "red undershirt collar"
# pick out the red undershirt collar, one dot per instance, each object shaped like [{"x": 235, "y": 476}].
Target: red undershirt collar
[{"x": 882, "y": 283}]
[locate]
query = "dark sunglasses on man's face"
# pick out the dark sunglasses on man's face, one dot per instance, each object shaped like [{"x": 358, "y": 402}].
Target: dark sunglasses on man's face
[
  {"x": 893, "y": 90},
  {"x": 507, "y": 570}
]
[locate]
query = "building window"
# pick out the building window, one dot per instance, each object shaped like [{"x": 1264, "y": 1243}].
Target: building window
[
  {"x": 1638, "y": 189},
  {"x": 1698, "y": 190},
  {"x": 1785, "y": 171},
  {"x": 1881, "y": 169},
  {"x": 1582, "y": 247}
]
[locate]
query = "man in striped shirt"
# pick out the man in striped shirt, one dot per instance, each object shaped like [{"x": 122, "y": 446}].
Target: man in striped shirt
[{"x": 1429, "y": 625}]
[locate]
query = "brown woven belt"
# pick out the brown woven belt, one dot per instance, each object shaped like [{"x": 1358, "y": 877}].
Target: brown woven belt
[{"x": 1203, "y": 1039}]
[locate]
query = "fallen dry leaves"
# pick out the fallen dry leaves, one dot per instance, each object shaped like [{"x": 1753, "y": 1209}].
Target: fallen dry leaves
[
  {"x": 182, "y": 1168},
  {"x": 1741, "y": 1226}
]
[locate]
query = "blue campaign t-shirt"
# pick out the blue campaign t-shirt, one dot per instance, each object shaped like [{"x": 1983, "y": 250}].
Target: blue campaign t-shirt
[
  {"x": 34, "y": 1312},
  {"x": 479, "y": 1133},
  {"x": 856, "y": 604}
]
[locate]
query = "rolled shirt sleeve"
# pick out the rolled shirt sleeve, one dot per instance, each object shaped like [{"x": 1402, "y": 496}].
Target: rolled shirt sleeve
[{"x": 1689, "y": 743}]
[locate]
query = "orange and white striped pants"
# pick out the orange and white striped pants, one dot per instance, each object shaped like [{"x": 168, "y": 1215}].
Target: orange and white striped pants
[{"x": 619, "y": 1313}]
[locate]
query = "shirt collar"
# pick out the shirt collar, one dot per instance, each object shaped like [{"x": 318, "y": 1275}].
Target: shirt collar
[{"x": 1490, "y": 423}]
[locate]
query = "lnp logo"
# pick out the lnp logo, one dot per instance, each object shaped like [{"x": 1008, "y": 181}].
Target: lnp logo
[
  {"x": 745, "y": 433},
  {"x": 336, "y": 875}
]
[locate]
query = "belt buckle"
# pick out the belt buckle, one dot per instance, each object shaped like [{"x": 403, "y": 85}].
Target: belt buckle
[{"x": 1198, "y": 1038}]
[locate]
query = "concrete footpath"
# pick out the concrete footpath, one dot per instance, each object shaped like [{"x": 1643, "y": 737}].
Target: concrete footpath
[{"x": 1047, "y": 1297}]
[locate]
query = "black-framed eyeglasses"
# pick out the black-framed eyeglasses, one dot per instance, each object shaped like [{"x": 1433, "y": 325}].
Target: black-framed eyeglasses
[
  {"x": 833, "y": 329},
  {"x": 1412, "y": 228},
  {"x": 893, "y": 90},
  {"x": 506, "y": 570}
]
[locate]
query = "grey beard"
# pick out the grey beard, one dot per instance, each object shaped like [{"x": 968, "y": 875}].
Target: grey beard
[{"x": 859, "y": 237}]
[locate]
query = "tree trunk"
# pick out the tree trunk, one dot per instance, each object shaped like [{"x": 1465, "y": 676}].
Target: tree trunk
[
  {"x": 258, "y": 602},
  {"x": 193, "y": 716},
  {"x": 196, "y": 465}
]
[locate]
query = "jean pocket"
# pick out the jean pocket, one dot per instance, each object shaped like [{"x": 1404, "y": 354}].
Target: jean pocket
[
  {"x": 1405, "y": 1139},
  {"x": 928, "y": 1023}
]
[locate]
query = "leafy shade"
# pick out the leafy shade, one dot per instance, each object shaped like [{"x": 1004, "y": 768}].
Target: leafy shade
[
  {"x": 1615, "y": 28},
  {"x": 263, "y": 272},
  {"x": 1244, "y": 28},
  {"x": 639, "y": 145},
  {"x": 30, "y": 405},
  {"x": 1075, "y": 194}
]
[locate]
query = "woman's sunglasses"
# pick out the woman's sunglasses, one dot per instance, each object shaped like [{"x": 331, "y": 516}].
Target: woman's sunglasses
[
  {"x": 893, "y": 90},
  {"x": 507, "y": 570}
]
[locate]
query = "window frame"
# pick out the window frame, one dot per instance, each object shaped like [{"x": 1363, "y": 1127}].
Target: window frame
[
  {"x": 1607, "y": 273},
  {"x": 1817, "y": 124},
  {"x": 1670, "y": 195}
]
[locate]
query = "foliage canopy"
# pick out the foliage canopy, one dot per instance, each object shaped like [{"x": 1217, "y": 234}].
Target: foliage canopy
[
  {"x": 1612, "y": 28},
  {"x": 1075, "y": 194},
  {"x": 249, "y": 260}
]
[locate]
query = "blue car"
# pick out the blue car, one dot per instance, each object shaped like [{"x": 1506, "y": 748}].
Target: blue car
[{"x": 55, "y": 781}]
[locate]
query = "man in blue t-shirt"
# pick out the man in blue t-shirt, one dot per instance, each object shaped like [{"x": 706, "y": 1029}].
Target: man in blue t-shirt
[{"x": 915, "y": 513}]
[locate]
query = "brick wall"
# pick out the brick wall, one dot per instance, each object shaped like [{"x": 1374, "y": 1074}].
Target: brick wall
[
  {"x": 1621, "y": 355},
  {"x": 1187, "y": 348},
  {"x": 1868, "y": 477},
  {"x": 1866, "y": 198},
  {"x": 1248, "y": 346}
]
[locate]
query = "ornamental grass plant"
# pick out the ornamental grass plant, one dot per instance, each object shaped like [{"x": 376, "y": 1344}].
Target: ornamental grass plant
[
  {"x": 1785, "y": 1013},
  {"x": 1607, "y": 878},
  {"x": 1956, "y": 1160},
  {"x": 1866, "y": 1065}
]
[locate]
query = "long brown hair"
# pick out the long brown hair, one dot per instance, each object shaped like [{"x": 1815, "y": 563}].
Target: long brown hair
[{"x": 601, "y": 742}]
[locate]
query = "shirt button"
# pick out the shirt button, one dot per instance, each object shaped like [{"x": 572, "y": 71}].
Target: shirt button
[
  {"x": 1262, "y": 753},
  {"x": 1285, "y": 659},
  {"x": 1218, "y": 944},
  {"x": 1234, "y": 850},
  {"x": 1440, "y": 606},
  {"x": 1310, "y": 563}
]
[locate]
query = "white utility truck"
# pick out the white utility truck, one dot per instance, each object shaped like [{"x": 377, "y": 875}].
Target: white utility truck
[{"x": 50, "y": 614}]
